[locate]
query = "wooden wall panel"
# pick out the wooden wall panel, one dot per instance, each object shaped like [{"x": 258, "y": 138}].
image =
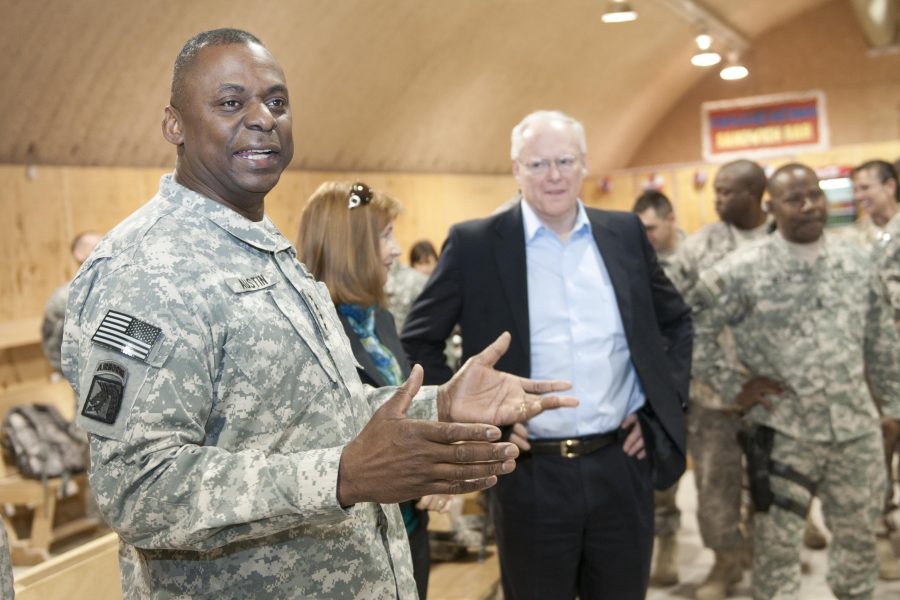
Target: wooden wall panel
[
  {"x": 23, "y": 365},
  {"x": 34, "y": 242},
  {"x": 431, "y": 203},
  {"x": 45, "y": 211},
  {"x": 100, "y": 198}
]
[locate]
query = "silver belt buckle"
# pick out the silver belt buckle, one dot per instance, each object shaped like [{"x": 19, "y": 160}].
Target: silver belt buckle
[{"x": 569, "y": 448}]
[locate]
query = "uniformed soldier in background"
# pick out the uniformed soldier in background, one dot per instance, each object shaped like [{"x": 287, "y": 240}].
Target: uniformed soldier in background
[
  {"x": 808, "y": 317},
  {"x": 713, "y": 423},
  {"x": 655, "y": 211},
  {"x": 6, "y": 574},
  {"x": 876, "y": 189},
  {"x": 234, "y": 449},
  {"x": 55, "y": 309}
]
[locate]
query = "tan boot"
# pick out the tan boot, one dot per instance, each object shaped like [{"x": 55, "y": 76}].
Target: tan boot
[
  {"x": 888, "y": 565},
  {"x": 724, "y": 574},
  {"x": 813, "y": 537},
  {"x": 665, "y": 569}
]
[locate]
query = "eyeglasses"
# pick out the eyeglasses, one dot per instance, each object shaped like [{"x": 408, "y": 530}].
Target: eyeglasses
[
  {"x": 360, "y": 194},
  {"x": 542, "y": 166}
]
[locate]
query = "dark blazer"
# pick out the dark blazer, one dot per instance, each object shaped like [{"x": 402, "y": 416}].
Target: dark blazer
[{"x": 481, "y": 283}]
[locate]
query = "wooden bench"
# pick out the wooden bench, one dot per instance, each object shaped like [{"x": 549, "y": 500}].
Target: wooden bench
[
  {"x": 87, "y": 572},
  {"x": 30, "y": 494}
]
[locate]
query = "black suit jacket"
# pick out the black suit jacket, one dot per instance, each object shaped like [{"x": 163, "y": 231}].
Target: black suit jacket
[{"x": 481, "y": 283}]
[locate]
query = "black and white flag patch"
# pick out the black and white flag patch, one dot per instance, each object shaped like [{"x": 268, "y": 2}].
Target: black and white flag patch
[
  {"x": 123, "y": 333},
  {"x": 104, "y": 398}
]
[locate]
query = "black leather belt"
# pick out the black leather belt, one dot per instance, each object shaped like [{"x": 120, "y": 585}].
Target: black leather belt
[{"x": 574, "y": 446}]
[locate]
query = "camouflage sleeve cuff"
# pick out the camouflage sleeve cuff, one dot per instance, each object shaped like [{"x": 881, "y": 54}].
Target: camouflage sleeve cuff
[
  {"x": 424, "y": 405},
  {"x": 313, "y": 485}
]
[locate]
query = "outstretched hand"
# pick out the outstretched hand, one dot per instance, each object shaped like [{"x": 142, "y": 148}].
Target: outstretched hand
[
  {"x": 478, "y": 393},
  {"x": 394, "y": 458}
]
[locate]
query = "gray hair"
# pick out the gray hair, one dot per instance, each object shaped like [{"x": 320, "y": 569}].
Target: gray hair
[{"x": 518, "y": 132}]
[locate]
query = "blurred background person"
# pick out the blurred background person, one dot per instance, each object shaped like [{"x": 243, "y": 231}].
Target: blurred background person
[
  {"x": 346, "y": 240},
  {"x": 404, "y": 284},
  {"x": 423, "y": 257},
  {"x": 655, "y": 211},
  {"x": 877, "y": 191},
  {"x": 713, "y": 423},
  {"x": 55, "y": 310}
]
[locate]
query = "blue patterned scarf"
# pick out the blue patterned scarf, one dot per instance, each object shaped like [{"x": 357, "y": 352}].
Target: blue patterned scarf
[{"x": 362, "y": 321}]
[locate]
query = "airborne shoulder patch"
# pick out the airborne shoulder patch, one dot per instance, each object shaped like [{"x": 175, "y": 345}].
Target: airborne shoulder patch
[
  {"x": 104, "y": 398},
  {"x": 126, "y": 334}
]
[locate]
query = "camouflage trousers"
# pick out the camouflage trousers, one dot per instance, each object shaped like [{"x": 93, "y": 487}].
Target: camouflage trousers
[
  {"x": 850, "y": 485},
  {"x": 719, "y": 474},
  {"x": 666, "y": 515}
]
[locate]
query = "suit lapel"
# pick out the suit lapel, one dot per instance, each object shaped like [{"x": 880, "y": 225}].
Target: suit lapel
[
  {"x": 613, "y": 253},
  {"x": 509, "y": 252}
]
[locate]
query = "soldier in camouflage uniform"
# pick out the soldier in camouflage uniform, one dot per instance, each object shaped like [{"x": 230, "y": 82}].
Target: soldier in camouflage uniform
[
  {"x": 403, "y": 286},
  {"x": 6, "y": 574},
  {"x": 712, "y": 423},
  {"x": 55, "y": 309},
  {"x": 655, "y": 211},
  {"x": 876, "y": 189},
  {"x": 404, "y": 283},
  {"x": 234, "y": 449},
  {"x": 808, "y": 317}
]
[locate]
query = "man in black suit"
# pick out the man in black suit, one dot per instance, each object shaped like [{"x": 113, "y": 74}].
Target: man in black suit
[{"x": 582, "y": 293}]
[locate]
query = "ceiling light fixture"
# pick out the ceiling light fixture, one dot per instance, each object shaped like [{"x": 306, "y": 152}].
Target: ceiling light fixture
[
  {"x": 705, "y": 57},
  {"x": 618, "y": 11},
  {"x": 733, "y": 69}
]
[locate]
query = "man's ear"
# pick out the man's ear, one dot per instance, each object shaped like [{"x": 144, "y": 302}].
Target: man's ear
[
  {"x": 171, "y": 126},
  {"x": 892, "y": 187}
]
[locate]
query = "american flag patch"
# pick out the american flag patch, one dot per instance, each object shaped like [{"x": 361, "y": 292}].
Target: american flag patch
[{"x": 130, "y": 336}]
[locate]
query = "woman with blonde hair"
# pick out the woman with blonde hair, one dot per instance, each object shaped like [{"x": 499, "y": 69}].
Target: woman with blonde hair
[{"x": 346, "y": 240}]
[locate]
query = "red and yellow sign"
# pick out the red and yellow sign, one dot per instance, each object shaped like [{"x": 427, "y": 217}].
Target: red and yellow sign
[{"x": 764, "y": 126}]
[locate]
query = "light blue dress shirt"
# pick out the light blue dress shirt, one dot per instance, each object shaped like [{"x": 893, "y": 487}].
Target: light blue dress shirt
[{"x": 576, "y": 331}]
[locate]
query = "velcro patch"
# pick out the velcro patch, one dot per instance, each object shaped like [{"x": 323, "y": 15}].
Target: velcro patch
[
  {"x": 252, "y": 283},
  {"x": 123, "y": 333},
  {"x": 104, "y": 398}
]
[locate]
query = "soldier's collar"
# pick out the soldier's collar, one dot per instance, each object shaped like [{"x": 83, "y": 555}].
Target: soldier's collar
[{"x": 263, "y": 235}]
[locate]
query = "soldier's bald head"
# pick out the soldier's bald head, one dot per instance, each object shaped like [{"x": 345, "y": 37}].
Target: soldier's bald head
[
  {"x": 748, "y": 174},
  {"x": 188, "y": 55}
]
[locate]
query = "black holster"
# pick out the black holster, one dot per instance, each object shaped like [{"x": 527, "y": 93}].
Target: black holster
[{"x": 757, "y": 441}]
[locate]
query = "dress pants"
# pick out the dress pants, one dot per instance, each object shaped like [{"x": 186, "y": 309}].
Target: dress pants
[{"x": 570, "y": 527}]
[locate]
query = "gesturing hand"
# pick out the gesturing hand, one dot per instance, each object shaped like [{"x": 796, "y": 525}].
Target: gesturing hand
[
  {"x": 395, "y": 459},
  {"x": 478, "y": 393}
]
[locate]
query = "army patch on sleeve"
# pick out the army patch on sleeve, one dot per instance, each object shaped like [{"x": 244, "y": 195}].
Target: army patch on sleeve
[
  {"x": 104, "y": 398},
  {"x": 123, "y": 333}
]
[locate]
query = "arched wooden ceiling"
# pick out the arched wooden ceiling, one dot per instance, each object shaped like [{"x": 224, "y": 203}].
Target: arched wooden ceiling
[{"x": 376, "y": 85}]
